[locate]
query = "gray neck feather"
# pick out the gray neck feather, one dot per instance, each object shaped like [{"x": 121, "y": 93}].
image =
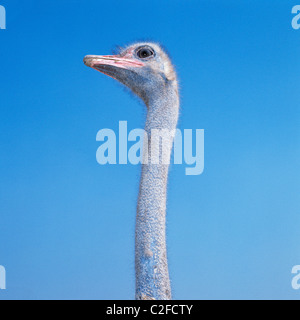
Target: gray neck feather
[{"x": 152, "y": 275}]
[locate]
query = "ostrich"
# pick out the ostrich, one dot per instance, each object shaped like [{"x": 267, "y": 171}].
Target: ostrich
[{"x": 147, "y": 71}]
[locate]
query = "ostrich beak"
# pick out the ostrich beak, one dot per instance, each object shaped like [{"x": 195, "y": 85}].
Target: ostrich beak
[{"x": 101, "y": 63}]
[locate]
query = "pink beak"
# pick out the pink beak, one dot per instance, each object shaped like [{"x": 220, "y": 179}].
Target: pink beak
[{"x": 117, "y": 61}]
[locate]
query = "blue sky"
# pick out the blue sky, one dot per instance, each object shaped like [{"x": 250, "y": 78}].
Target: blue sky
[{"x": 67, "y": 223}]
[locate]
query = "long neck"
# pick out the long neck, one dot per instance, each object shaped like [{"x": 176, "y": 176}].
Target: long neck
[{"x": 152, "y": 275}]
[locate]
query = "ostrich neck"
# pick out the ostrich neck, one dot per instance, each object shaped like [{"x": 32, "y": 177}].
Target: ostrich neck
[{"x": 152, "y": 275}]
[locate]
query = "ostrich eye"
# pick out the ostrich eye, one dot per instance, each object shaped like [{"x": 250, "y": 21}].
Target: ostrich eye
[{"x": 145, "y": 53}]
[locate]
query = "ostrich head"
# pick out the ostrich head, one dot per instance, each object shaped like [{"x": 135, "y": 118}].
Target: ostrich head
[{"x": 144, "y": 68}]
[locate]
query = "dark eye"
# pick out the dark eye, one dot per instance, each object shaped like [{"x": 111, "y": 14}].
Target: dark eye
[{"x": 145, "y": 53}]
